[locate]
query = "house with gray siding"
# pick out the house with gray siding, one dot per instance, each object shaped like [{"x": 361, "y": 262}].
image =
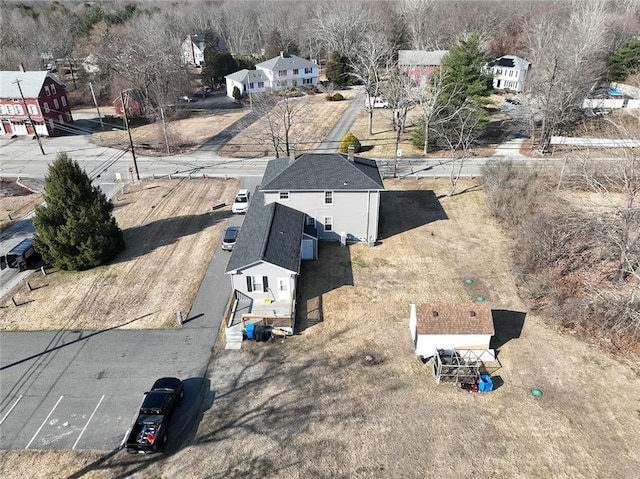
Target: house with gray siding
[
  {"x": 340, "y": 195},
  {"x": 301, "y": 200}
]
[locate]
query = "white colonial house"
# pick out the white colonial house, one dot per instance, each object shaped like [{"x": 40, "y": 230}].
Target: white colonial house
[
  {"x": 509, "y": 73},
  {"x": 193, "y": 48},
  {"x": 281, "y": 72}
]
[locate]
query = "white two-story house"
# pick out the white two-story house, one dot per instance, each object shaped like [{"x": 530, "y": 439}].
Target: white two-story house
[
  {"x": 302, "y": 199},
  {"x": 509, "y": 72},
  {"x": 282, "y": 72}
]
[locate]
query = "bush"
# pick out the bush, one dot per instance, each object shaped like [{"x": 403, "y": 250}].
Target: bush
[
  {"x": 337, "y": 97},
  {"x": 349, "y": 140}
]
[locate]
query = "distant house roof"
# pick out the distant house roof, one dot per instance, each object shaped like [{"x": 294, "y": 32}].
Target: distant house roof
[
  {"x": 421, "y": 57},
  {"x": 446, "y": 318},
  {"x": 199, "y": 41},
  {"x": 510, "y": 61},
  {"x": 30, "y": 82},
  {"x": 271, "y": 233},
  {"x": 286, "y": 62},
  {"x": 248, "y": 76},
  {"x": 322, "y": 171}
]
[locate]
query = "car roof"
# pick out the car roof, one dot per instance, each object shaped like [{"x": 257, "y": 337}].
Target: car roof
[
  {"x": 166, "y": 383},
  {"x": 243, "y": 192}
]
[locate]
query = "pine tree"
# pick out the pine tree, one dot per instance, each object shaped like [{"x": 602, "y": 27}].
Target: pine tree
[
  {"x": 338, "y": 69},
  {"x": 74, "y": 228},
  {"x": 462, "y": 73},
  {"x": 625, "y": 61}
]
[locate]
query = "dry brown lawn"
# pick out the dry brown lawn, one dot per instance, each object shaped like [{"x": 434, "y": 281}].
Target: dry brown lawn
[
  {"x": 170, "y": 234},
  {"x": 311, "y": 406},
  {"x": 313, "y": 119},
  {"x": 16, "y": 201}
]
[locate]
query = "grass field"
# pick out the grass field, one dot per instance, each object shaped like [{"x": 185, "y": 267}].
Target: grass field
[
  {"x": 311, "y": 406},
  {"x": 170, "y": 233}
]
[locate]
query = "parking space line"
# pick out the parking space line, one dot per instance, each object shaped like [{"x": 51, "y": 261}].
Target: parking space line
[
  {"x": 87, "y": 424},
  {"x": 9, "y": 411},
  {"x": 44, "y": 422}
]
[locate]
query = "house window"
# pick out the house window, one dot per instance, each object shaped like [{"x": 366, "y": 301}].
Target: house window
[
  {"x": 260, "y": 84},
  {"x": 308, "y": 70},
  {"x": 2, "y": 110},
  {"x": 19, "y": 110},
  {"x": 15, "y": 100},
  {"x": 55, "y": 103},
  {"x": 60, "y": 118},
  {"x": 47, "y": 91},
  {"x": 68, "y": 115},
  {"x": 251, "y": 87},
  {"x": 295, "y": 71},
  {"x": 284, "y": 195},
  {"x": 10, "y": 109},
  {"x": 328, "y": 223},
  {"x": 328, "y": 197},
  {"x": 282, "y": 73},
  {"x": 257, "y": 283},
  {"x": 45, "y": 105},
  {"x": 307, "y": 81},
  {"x": 53, "y": 89},
  {"x": 311, "y": 221},
  {"x": 64, "y": 100},
  {"x": 33, "y": 109}
]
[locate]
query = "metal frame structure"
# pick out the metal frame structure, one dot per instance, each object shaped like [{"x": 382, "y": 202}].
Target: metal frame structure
[{"x": 459, "y": 368}]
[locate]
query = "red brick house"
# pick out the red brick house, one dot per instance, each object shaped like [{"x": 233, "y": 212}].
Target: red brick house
[
  {"x": 133, "y": 101},
  {"x": 42, "y": 104},
  {"x": 420, "y": 64}
]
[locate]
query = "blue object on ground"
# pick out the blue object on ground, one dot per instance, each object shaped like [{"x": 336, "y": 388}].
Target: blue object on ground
[
  {"x": 250, "y": 330},
  {"x": 485, "y": 384}
]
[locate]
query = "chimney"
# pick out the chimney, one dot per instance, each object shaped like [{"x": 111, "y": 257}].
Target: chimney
[
  {"x": 22, "y": 67},
  {"x": 292, "y": 152},
  {"x": 350, "y": 152},
  {"x": 281, "y": 54}
]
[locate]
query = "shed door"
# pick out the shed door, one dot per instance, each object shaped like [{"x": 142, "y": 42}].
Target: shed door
[{"x": 307, "y": 249}]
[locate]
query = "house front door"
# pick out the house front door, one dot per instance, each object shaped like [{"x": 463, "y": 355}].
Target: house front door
[{"x": 283, "y": 289}]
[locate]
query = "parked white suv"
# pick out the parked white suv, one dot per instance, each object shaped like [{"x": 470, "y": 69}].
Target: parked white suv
[
  {"x": 375, "y": 102},
  {"x": 241, "y": 202}
]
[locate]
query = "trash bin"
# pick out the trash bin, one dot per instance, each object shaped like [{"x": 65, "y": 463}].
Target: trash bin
[
  {"x": 485, "y": 384},
  {"x": 249, "y": 329}
]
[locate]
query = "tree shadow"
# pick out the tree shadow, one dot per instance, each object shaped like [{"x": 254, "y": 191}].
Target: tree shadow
[
  {"x": 402, "y": 211},
  {"x": 330, "y": 271},
  {"x": 507, "y": 325},
  {"x": 143, "y": 239}
]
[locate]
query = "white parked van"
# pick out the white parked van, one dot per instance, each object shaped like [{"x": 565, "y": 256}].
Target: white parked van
[{"x": 375, "y": 102}]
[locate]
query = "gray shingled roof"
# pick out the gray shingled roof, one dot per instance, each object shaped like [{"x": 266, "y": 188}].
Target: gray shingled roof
[
  {"x": 322, "y": 171},
  {"x": 248, "y": 76},
  {"x": 31, "y": 83},
  {"x": 271, "y": 233},
  {"x": 286, "y": 62},
  {"x": 421, "y": 57}
]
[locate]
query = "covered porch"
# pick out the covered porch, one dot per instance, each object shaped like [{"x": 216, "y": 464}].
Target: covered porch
[{"x": 279, "y": 314}]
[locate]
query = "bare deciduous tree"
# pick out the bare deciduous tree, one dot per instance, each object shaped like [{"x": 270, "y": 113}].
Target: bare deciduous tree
[
  {"x": 369, "y": 65},
  {"x": 343, "y": 26},
  {"x": 279, "y": 112},
  {"x": 568, "y": 57}
]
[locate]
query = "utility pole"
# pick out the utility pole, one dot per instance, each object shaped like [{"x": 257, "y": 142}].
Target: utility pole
[
  {"x": 126, "y": 124},
  {"x": 17, "y": 82},
  {"x": 96, "y": 104}
]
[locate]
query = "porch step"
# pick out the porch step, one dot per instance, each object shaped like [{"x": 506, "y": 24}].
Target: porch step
[{"x": 234, "y": 339}]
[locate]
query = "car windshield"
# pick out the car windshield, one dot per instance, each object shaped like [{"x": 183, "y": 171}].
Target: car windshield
[
  {"x": 230, "y": 236},
  {"x": 241, "y": 199}
]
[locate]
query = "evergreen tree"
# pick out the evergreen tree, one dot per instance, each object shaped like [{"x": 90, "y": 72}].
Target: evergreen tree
[
  {"x": 74, "y": 228},
  {"x": 338, "y": 69},
  {"x": 462, "y": 73},
  {"x": 625, "y": 61},
  {"x": 216, "y": 66}
]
